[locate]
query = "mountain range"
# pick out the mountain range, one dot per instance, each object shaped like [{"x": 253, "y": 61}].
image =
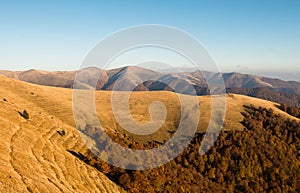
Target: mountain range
[{"x": 141, "y": 79}]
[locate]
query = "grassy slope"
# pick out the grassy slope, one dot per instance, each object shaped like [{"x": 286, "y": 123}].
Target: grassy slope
[{"x": 33, "y": 155}]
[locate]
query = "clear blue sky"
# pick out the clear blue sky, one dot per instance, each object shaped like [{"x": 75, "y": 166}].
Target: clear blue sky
[{"x": 241, "y": 35}]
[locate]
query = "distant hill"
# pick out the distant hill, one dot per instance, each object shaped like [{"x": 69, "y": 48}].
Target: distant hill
[{"x": 142, "y": 79}]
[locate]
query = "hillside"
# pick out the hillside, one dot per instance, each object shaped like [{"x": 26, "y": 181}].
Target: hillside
[
  {"x": 33, "y": 156},
  {"x": 264, "y": 157},
  {"x": 35, "y": 153}
]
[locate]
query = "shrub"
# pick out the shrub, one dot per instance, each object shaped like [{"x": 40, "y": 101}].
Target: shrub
[
  {"x": 24, "y": 114},
  {"x": 61, "y": 133}
]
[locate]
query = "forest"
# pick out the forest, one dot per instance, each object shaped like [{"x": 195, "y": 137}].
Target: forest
[
  {"x": 262, "y": 158},
  {"x": 292, "y": 110}
]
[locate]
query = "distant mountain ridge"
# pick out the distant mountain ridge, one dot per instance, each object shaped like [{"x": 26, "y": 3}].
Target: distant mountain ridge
[{"x": 142, "y": 79}]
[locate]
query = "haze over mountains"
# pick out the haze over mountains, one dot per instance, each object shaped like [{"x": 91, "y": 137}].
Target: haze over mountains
[{"x": 142, "y": 79}]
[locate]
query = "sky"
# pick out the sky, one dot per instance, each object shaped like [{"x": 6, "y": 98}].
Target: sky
[{"x": 261, "y": 36}]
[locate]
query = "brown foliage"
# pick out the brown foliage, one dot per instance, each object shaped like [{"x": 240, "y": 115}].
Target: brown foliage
[{"x": 262, "y": 158}]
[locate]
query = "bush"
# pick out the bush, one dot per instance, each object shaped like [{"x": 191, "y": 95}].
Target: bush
[
  {"x": 25, "y": 114},
  {"x": 61, "y": 133}
]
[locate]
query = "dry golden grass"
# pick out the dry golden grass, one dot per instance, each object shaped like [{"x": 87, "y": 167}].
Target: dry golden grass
[
  {"x": 139, "y": 108},
  {"x": 34, "y": 157}
]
